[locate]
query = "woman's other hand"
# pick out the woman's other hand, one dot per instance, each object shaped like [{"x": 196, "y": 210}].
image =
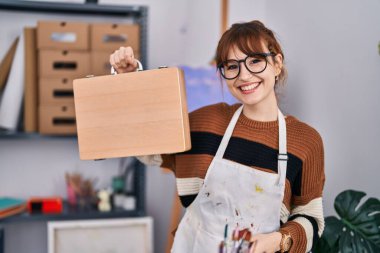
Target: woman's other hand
[
  {"x": 268, "y": 243},
  {"x": 123, "y": 60}
]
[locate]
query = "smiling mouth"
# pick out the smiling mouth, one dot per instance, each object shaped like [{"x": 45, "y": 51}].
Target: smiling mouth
[{"x": 249, "y": 87}]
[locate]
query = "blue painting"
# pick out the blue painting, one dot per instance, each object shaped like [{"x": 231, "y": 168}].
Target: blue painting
[{"x": 204, "y": 87}]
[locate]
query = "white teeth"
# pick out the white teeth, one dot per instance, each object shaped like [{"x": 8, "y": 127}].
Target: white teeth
[{"x": 249, "y": 87}]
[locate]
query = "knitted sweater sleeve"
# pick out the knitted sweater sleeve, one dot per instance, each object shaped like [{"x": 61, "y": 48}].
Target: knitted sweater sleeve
[
  {"x": 306, "y": 222},
  {"x": 166, "y": 161}
]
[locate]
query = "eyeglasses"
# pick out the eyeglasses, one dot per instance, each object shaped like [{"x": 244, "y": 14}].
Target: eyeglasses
[{"x": 255, "y": 63}]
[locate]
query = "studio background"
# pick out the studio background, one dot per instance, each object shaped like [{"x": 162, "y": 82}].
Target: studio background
[{"x": 333, "y": 62}]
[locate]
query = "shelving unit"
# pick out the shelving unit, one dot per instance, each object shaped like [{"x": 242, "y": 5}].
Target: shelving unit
[
  {"x": 138, "y": 13},
  {"x": 139, "y": 16}
]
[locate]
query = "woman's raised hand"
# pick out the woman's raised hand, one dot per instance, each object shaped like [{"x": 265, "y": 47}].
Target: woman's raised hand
[{"x": 123, "y": 60}]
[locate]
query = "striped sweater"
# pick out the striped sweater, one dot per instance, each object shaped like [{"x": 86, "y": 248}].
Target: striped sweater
[{"x": 255, "y": 144}]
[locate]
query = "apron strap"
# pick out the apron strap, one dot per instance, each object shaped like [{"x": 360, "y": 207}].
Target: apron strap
[
  {"x": 282, "y": 158},
  {"x": 228, "y": 133}
]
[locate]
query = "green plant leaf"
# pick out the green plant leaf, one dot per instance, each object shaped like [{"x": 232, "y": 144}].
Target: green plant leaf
[
  {"x": 358, "y": 230},
  {"x": 324, "y": 247},
  {"x": 332, "y": 231}
]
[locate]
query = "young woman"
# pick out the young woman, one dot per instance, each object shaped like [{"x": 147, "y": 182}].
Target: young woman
[{"x": 249, "y": 166}]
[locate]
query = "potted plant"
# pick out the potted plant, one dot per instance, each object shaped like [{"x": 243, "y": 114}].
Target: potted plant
[{"x": 357, "y": 230}]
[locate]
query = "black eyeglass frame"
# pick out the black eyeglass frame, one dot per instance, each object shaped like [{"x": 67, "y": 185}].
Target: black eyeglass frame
[{"x": 264, "y": 55}]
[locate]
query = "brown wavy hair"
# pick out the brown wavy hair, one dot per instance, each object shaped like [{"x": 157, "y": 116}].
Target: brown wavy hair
[{"x": 248, "y": 38}]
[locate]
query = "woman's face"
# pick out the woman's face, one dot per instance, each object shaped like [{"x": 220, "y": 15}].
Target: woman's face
[{"x": 254, "y": 89}]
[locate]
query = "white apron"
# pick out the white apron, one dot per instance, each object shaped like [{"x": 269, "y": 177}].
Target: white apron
[{"x": 233, "y": 194}]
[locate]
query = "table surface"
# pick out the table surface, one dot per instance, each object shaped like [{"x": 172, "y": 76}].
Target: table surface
[{"x": 72, "y": 213}]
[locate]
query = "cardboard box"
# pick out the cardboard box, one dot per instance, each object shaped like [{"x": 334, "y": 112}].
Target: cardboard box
[
  {"x": 109, "y": 37},
  {"x": 56, "y": 91},
  {"x": 100, "y": 62},
  {"x": 57, "y": 119},
  {"x": 30, "y": 80},
  {"x": 137, "y": 113},
  {"x": 62, "y": 35},
  {"x": 64, "y": 64}
]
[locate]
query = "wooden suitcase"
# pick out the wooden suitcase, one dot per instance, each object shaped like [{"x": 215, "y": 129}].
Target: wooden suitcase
[{"x": 132, "y": 114}]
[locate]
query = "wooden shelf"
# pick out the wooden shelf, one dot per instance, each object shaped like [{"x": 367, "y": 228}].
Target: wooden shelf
[
  {"x": 23, "y": 135},
  {"x": 73, "y": 213},
  {"x": 72, "y": 8}
]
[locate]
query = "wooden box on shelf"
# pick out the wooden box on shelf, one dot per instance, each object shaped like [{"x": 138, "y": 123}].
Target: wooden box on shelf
[
  {"x": 109, "y": 37},
  {"x": 56, "y": 91},
  {"x": 62, "y": 35},
  {"x": 57, "y": 119},
  {"x": 54, "y": 63}
]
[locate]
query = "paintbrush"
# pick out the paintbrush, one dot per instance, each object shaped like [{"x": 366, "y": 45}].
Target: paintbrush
[
  {"x": 242, "y": 239},
  {"x": 225, "y": 238},
  {"x": 235, "y": 238},
  {"x": 223, "y": 244}
]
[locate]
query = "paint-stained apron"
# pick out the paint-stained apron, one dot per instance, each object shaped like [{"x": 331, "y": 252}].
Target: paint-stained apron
[{"x": 233, "y": 194}]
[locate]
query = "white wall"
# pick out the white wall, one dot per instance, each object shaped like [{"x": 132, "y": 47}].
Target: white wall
[{"x": 331, "y": 54}]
